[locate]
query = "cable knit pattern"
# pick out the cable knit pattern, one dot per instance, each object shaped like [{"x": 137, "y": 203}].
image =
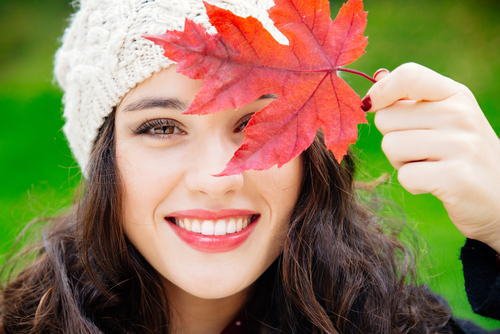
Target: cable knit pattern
[{"x": 103, "y": 55}]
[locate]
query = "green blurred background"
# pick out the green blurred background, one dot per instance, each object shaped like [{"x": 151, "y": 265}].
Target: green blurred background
[{"x": 458, "y": 38}]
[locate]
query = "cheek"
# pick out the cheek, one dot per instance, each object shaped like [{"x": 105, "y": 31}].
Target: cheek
[
  {"x": 279, "y": 188},
  {"x": 288, "y": 178},
  {"x": 149, "y": 181},
  {"x": 148, "y": 178}
]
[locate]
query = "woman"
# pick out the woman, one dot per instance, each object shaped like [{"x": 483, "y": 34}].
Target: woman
[{"x": 292, "y": 250}]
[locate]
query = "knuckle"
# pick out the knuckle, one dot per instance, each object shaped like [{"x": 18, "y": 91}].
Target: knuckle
[
  {"x": 460, "y": 115},
  {"x": 464, "y": 96},
  {"x": 470, "y": 145},
  {"x": 409, "y": 73},
  {"x": 466, "y": 148},
  {"x": 410, "y": 67},
  {"x": 463, "y": 89}
]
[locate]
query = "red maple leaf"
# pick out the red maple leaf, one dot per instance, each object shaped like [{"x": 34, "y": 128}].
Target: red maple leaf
[{"x": 242, "y": 62}]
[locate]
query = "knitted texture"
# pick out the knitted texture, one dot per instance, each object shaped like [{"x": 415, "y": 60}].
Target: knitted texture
[{"x": 103, "y": 55}]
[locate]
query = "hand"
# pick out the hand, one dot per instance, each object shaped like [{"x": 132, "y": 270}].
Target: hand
[{"x": 439, "y": 140}]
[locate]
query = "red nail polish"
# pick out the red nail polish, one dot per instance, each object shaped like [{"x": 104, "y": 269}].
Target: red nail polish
[{"x": 367, "y": 103}]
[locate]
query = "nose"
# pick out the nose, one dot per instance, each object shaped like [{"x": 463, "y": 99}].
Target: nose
[{"x": 210, "y": 159}]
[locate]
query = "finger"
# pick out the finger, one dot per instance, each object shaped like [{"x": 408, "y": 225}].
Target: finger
[
  {"x": 422, "y": 177},
  {"x": 381, "y": 73},
  {"x": 403, "y": 147},
  {"x": 414, "y": 82},
  {"x": 412, "y": 115}
]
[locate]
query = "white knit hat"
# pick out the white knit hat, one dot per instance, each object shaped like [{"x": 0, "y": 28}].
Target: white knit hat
[{"x": 103, "y": 55}]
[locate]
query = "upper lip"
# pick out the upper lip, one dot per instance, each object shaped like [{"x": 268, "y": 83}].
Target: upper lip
[{"x": 211, "y": 215}]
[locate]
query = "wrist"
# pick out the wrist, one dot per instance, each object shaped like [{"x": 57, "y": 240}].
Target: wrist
[{"x": 494, "y": 244}]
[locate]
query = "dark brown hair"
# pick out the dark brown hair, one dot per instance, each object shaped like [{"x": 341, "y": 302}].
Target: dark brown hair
[{"x": 338, "y": 273}]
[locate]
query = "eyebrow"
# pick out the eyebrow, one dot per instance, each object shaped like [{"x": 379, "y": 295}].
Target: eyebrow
[
  {"x": 151, "y": 102},
  {"x": 170, "y": 103},
  {"x": 268, "y": 96}
]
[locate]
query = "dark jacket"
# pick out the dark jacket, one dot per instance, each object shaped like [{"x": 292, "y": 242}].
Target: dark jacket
[{"x": 482, "y": 284}]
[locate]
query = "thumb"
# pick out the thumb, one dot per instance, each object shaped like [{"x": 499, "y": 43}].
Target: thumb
[
  {"x": 379, "y": 75},
  {"x": 408, "y": 82}
]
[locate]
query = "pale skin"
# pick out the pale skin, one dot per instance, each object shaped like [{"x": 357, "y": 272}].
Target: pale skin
[
  {"x": 435, "y": 134},
  {"x": 165, "y": 173},
  {"x": 439, "y": 140}
]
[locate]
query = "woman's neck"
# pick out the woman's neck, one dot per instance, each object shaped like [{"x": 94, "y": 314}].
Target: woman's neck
[{"x": 194, "y": 315}]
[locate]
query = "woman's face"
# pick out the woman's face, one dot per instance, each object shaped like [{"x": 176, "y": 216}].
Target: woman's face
[{"x": 210, "y": 236}]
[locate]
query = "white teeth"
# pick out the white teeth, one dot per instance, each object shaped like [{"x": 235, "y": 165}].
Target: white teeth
[
  {"x": 195, "y": 226},
  {"x": 187, "y": 224},
  {"x": 214, "y": 227},
  {"x": 231, "y": 227},
  {"x": 220, "y": 227},
  {"x": 207, "y": 227}
]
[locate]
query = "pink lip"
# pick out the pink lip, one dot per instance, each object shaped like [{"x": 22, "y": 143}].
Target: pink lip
[
  {"x": 212, "y": 215},
  {"x": 213, "y": 243}
]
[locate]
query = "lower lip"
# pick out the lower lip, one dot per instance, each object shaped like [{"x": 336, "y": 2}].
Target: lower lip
[{"x": 214, "y": 243}]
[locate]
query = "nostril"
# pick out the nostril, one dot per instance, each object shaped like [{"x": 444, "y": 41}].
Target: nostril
[{"x": 200, "y": 181}]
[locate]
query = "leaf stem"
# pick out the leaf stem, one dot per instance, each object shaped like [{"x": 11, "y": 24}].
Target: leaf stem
[{"x": 356, "y": 72}]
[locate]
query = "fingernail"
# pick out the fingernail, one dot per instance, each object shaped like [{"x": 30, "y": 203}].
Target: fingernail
[
  {"x": 367, "y": 103},
  {"x": 380, "y": 71}
]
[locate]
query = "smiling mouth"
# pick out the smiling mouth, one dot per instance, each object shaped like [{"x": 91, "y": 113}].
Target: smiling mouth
[{"x": 224, "y": 226}]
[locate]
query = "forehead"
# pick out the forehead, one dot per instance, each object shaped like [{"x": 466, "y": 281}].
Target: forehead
[
  {"x": 164, "y": 84},
  {"x": 165, "y": 89}
]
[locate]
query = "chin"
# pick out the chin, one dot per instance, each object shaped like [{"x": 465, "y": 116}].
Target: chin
[{"x": 214, "y": 289}]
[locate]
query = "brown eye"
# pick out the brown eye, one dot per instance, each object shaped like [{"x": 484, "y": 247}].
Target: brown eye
[
  {"x": 241, "y": 127},
  {"x": 160, "y": 127},
  {"x": 243, "y": 123},
  {"x": 165, "y": 130}
]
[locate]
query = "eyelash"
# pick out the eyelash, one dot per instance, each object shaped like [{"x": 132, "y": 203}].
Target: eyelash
[
  {"x": 244, "y": 121},
  {"x": 149, "y": 125}
]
